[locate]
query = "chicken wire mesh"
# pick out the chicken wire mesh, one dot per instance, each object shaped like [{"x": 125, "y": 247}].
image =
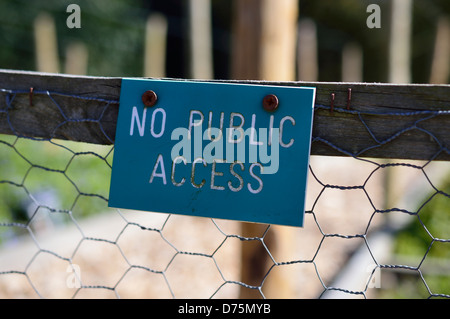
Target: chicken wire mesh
[{"x": 374, "y": 228}]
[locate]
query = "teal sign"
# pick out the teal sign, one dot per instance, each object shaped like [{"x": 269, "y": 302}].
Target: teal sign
[{"x": 219, "y": 150}]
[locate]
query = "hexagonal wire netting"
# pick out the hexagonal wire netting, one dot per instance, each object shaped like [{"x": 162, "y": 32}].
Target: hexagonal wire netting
[{"x": 373, "y": 228}]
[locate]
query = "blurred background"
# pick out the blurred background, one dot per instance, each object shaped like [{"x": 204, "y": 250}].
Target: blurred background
[
  {"x": 112, "y": 37},
  {"x": 289, "y": 40}
]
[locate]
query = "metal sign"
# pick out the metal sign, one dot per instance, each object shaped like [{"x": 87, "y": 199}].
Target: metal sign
[{"x": 219, "y": 150}]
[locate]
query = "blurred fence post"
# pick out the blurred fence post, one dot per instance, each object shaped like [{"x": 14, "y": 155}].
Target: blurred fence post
[
  {"x": 440, "y": 68},
  {"x": 399, "y": 65},
  {"x": 400, "y": 41},
  {"x": 76, "y": 59},
  {"x": 352, "y": 63},
  {"x": 399, "y": 72},
  {"x": 155, "y": 46},
  {"x": 200, "y": 39},
  {"x": 307, "y": 58},
  {"x": 264, "y": 46},
  {"x": 46, "y": 44}
]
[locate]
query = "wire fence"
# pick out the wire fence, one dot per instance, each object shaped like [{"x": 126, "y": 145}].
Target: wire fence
[{"x": 374, "y": 228}]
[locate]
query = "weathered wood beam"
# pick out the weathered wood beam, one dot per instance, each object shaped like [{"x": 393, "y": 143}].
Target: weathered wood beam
[
  {"x": 65, "y": 113},
  {"x": 81, "y": 113}
]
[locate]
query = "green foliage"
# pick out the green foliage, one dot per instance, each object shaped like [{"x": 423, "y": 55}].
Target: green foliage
[
  {"x": 67, "y": 172},
  {"x": 420, "y": 241},
  {"x": 433, "y": 221},
  {"x": 112, "y": 30}
]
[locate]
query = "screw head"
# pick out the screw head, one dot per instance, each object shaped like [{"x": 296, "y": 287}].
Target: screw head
[
  {"x": 270, "y": 103},
  {"x": 149, "y": 98}
]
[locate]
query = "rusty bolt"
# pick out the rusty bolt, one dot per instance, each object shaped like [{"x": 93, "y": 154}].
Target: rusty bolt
[
  {"x": 149, "y": 98},
  {"x": 270, "y": 102}
]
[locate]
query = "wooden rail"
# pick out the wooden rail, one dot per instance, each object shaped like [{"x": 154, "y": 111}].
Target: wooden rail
[{"x": 383, "y": 120}]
